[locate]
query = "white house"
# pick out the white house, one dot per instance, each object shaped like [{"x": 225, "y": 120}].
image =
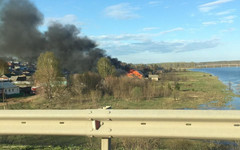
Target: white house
[{"x": 9, "y": 88}]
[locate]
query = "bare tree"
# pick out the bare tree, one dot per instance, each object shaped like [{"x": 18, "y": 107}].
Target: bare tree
[
  {"x": 48, "y": 73},
  {"x": 105, "y": 68},
  {"x": 3, "y": 67}
]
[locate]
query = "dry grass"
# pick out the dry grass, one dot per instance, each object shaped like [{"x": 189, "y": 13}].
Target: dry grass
[{"x": 195, "y": 89}]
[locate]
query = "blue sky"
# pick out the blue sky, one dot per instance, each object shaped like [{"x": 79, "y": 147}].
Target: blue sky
[{"x": 143, "y": 31}]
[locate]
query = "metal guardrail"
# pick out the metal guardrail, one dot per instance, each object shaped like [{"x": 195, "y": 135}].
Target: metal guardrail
[{"x": 193, "y": 124}]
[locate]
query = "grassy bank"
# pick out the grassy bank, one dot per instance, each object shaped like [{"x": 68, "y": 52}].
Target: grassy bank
[{"x": 193, "y": 89}]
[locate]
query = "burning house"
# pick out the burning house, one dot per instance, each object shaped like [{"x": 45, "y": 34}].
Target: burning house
[{"x": 134, "y": 74}]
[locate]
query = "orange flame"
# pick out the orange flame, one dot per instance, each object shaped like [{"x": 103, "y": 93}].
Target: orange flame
[{"x": 134, "y": 73}]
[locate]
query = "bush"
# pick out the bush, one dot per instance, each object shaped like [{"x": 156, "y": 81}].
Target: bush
[
  {"x": 122, "y": 87},
  {"x": 84, "y": 83},
  {"x": 136, "y": 93},
  {"x": 134, "y": 89},
  {"x": 95, "y": 95},
  {"x": 90, "y": 86}
]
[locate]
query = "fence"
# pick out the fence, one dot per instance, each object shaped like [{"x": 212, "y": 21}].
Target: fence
[{"x": 193, "y": 124}]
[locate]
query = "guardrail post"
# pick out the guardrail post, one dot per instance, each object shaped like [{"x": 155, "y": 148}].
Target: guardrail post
[{"x": 106, "y": 144}]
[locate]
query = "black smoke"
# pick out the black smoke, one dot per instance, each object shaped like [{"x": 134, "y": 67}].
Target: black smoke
[
  {"x": 119, "y": 65},
  {"x": 77, "y": 53},
  {"x": 21, "y": 38}
]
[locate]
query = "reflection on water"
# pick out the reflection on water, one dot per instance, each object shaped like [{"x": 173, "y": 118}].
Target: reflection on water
[{"x": 229, "y": 76}]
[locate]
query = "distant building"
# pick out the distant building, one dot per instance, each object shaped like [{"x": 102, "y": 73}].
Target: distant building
[
  {"x": 153, "y": 77},
  {"x": 9, "y": 88},
  {"x": 23, "y": 82},
  {"x": 4, "y": 78}
]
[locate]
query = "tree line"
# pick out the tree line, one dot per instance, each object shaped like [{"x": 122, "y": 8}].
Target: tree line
[{"x": 93, "y": 86}]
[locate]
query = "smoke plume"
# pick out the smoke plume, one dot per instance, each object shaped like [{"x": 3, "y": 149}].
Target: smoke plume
[
  {"x": 20, "y": 37},
  {"x": 18, "y": 29},
  {"x": 77, "y": 53}
]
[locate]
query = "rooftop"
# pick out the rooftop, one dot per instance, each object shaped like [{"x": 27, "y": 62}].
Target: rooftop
[{"x": 6, "y": 85}]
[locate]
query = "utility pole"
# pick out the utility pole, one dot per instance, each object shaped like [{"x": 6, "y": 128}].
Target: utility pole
[{"x": 3, "y": 94}]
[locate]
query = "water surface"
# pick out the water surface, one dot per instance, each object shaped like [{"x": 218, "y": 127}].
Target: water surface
[{"x": 229, "y": 76}]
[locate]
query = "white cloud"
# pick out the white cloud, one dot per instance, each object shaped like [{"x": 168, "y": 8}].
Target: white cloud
[
  {"x": 171, "y": 30},
  {"x": 212, "y": 5},
  {"x": 67, "y": 19},
  {"x": 119, "y": 49},
  {"x": 124, "y": 44},
  {"x": 209, "y": 23},
  {"x": 154, "y": 3},
  {"x": 206, "y": 9},
  {"x": 199, "y": 45},
  {"x": 228, "y": 30},
  {"x": 150, "y": 28},
  {"x": 134, "y": 37},
  {"x": 228, "y": 19},
  {"x": 121, "y": 11},
  {"x": 225, "y": 12}
]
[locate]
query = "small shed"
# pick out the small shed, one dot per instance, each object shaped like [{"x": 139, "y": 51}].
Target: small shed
[
  {"x": 9, "y": 88},
  {"x": 153, "y": 77}
]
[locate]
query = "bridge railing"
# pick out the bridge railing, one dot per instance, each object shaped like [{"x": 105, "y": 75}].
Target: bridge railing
[{"x": 193, "y": 124}]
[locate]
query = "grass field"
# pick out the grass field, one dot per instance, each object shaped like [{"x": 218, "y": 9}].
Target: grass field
[{"x": 195, "y": 88}]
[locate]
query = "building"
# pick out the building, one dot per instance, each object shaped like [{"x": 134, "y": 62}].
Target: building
[
  {"x": 135, "y": 74},
  {"x": 4, "y": 78},
  {"x": 24, "y": 83},
  {"x": 9, "y": 88},
  {"x": 153, "y": 77}
]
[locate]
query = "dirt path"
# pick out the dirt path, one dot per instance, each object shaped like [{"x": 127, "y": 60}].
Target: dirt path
[{"x": 12, "y": 101}]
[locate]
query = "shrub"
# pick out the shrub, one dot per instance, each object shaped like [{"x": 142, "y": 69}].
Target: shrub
[
  {"x": 95, "y": 95},
  {"x": 84, "y": 83},
  {"x": 136, "y": 93},
  {"x": 134, "y": 89}
]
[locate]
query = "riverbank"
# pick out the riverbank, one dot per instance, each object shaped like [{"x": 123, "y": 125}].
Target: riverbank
[
  {"x": 193, "y": 89},
  {"x": 230, "y": 77}
]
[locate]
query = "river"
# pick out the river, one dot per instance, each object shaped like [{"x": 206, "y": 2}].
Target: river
[{"x": 229, "y": 76}]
